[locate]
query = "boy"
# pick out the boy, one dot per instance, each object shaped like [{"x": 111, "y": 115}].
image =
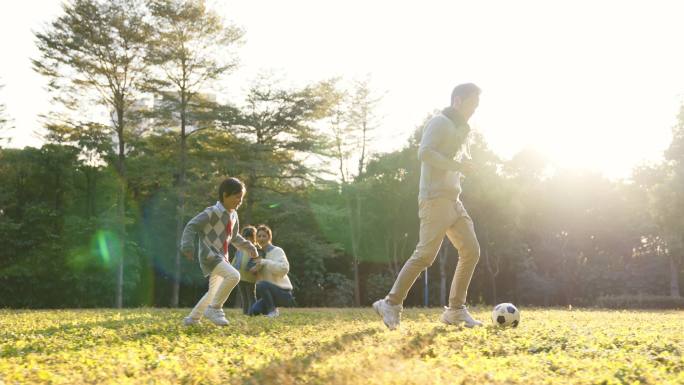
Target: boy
[{"x": 217, "y": 226}]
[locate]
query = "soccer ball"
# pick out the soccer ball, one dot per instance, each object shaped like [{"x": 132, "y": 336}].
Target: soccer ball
[{"x": 505, "y": 314}]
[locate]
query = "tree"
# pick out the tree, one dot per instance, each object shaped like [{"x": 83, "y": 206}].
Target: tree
[
  {"x": 189, "y": 50},
  {"x": 4, "y": 119},
  {"x": 672, "y": 207},
  {"x": 98, "y": 48},
  {"x": 353, "y": 121},
  {"x": 278, "y": 129},
  {"x": 487, "y": 197}
]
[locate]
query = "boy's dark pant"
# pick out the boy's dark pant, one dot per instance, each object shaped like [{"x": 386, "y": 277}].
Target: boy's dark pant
[
  {"x": 269, "y": 296},
  {"x": 246, "y": 291}
]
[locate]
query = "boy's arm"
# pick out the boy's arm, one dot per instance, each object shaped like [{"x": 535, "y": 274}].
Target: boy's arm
[
  {"x": 241, "y": 243},
  {"x": 190, "y": 233}
]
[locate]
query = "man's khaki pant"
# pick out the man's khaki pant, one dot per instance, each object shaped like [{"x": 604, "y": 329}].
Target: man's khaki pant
[{"x": 440, "y": 216}]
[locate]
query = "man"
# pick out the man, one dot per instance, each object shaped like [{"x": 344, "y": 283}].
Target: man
[{"x": 441, "y": 211}]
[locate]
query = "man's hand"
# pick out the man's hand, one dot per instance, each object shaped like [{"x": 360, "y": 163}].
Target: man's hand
[
  {"x": 467, "y": 167},
  {"x": 188, "y": 255}
]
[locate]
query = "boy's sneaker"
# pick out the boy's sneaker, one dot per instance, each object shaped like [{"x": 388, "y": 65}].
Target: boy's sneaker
[
  {"x": 189, "y": 321},
  {"x": 217, "y": 316},
  {"x": 273, "y": 314},
  {"x": 457, "y": 316},
  {"x": 391, "y": 314}
]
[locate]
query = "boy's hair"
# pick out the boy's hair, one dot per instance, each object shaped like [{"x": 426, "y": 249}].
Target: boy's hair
[
  {"x": 266, "y": 229},
  {"x": 230, "y": 186},
  {"x": 464, "y": 91},
  {"x": 249, "y": 233}
]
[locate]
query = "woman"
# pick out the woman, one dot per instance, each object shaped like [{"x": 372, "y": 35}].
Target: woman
[
  {"x": 243, "y": 262},
  {"x": 273, "y": 287}
]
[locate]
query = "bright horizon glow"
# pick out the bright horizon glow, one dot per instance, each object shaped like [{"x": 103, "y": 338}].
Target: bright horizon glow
[{"x": 593, "y": 85}]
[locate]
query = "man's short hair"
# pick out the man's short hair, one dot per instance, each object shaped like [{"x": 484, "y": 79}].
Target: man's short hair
[
  {"x": 230, "y": 186},
  {"x": 464, "y": 91}
]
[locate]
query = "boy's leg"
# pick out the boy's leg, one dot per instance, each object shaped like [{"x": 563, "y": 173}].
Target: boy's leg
[
  {"x": 202, "y": 304},
  {"x": 231, "y": 277},
  {"x": 436, "y": 215}
]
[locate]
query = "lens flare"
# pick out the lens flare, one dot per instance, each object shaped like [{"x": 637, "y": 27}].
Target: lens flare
[{"x": 103, "y": 247}]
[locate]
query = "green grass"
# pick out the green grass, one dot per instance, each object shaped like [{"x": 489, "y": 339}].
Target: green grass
[{"x": 340, "y": 346}]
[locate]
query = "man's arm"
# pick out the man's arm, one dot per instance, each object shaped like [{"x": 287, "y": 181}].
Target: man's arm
[{"x": 435, "y": 133}]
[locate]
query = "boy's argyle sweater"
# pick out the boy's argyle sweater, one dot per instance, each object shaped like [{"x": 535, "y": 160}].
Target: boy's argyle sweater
[{"x": 211, "y": 225}]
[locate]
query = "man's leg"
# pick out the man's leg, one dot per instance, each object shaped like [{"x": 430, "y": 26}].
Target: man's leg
[
  {"x": 462, "y": 236},
  {"x": 436, "y": 215}
]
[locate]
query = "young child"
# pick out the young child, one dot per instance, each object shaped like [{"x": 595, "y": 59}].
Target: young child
[
  {"x": 244, "y": 263},
  {"x": 217, "y": 226}
]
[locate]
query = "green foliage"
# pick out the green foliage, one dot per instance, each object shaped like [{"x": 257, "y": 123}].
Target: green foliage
[
  {"x": 640, "y": 302},
  {"x": 99, "y": 194},
  {"x": 335, "y": 346},
  {"x": 5, "y": 120}
]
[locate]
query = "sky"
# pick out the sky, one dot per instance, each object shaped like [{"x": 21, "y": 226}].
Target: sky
[{"x": 593, "y": 85}]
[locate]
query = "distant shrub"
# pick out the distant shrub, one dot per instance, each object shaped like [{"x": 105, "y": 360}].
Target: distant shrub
[
  {"x": 339, "y": 291},
  {"x": 377, "y": 286},
  {"x": 640, "y": 301}
]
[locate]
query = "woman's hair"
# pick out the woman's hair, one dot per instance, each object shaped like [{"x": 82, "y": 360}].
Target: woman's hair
[
  {"x": 266, "y": 229},
  {"x": 249, "y": 232},
  {"x": 230, "y": 186}
]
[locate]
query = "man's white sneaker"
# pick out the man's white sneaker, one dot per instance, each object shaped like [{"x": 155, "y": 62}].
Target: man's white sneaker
[
  {"x": 391, "y": 314},
  {"x": 189, "y": 321},
  {"x": 217, "y": 316},
  {"x": 273, "y": 314},
  {"x": 457, "y": 316}
]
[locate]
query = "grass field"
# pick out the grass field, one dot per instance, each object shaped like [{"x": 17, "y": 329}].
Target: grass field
[{"x": 340, "y": 346}]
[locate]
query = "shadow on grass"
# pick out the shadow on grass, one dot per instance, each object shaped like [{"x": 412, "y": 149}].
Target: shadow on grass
[{"x": 291, "y": 371}]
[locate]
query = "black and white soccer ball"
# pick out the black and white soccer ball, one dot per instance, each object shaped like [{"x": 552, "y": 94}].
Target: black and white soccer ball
[{"x": 505, "y": 315}]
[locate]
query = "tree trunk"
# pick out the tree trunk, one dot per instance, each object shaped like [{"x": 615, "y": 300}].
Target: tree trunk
[
  {"x": 121, "y": 166},
  {"x": 442, "y": 274},
  {"x": 492, "y": 264},
  {"x": 353, "y": 210},
  {"x": 674, "y": 276},
  {"x": 180, "y": 215},
  {"x": 90, "y": 210}
]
